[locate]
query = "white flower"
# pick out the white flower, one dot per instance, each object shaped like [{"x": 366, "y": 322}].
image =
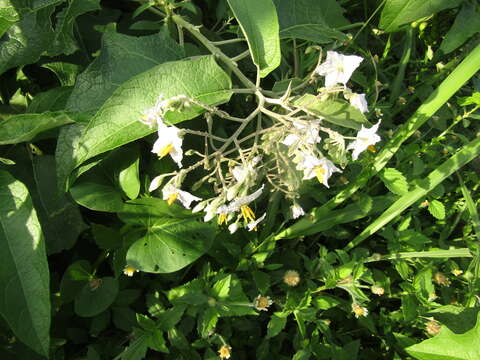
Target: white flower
[
  {"x": 365, "y": 138},
  {"x": 297, "y": 211},
  {"x": 171, "y": 193},
  {"x": 320, "y": 168},
  {"x": 211, "y": 208},
  {"x": 239, "y": 204},
  {"x": 154, "y": 115},
  {"x": 338, "y": 68},
  {"x": 262, "y": 303},
  {"x": 233, "y": 227},
  {"x": 253, "y": 225},
  {"x": 308, "y": 133},
  {"x": 244, "y": 172},
  {"x": 169, "y": 142},
  {"x": 359, "y": 101}
]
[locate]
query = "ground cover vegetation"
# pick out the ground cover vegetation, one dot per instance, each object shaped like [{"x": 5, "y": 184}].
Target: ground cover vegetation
[{"x": 244, "y": 179}]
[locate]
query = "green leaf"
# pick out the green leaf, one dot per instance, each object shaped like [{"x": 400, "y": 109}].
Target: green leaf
[
  {"x": 311, "y": 20},
  {"x": 121, "y": 57},
  {"x": 449, "y": 346},
  {"x": 117, "y": 122},
  {"x": 259, "y": 23},
  {"x": 97, "y": 196},
  {"x": 64, "y": 39},
  {"x": 26, "y": 40},
  {"x": 394, "y": 181},
  {"x": 467, "y": 153},
  {"x": 137, "y": 349},
  {"x": 437, "y": 209},
  {"x": 207, "y": 321},
  {"x": 60, "y": 218},
  {"x": 66, "y": 72},
  {"x": 96, "y": 296},
  {"x": 24, "y": 275},
  {"x": 128, "y": 171},
  {"x": 337, "y": 112},
  {"x": 456, "y": 318},
  {"x": 74, "y": 279},
  {"x": 221, "y": 288},
  {"x": 52, "y": 100},
  {"x": 25, "y": 127},
  {"x": 400, "y": 12},
  {"x": 276, "y": 324},
  {"x": 467, "y": 24},
  {"x": 171, "y": 242}
]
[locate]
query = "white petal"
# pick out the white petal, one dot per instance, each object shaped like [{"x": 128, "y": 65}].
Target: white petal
[
  {"x": 236, "y": 204},
  {"x": 156, "y": 182},
  {"x": 186, "y": 198},
  {"x": 360, "y": 102},
  {"x": 290, "y": 139},
  {"x": 254, "y": 224},
  {"x": 297, "y": 211},
  {"x": 233, "y": 228}
]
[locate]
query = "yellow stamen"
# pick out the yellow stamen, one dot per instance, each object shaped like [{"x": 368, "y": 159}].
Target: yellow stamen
[
  {"x": 172, "y": 198},
  {"x": 165, "y": 151},
  {"x": 222, "y": 218},
  {"x": 247, "y": 213},
  {"x": 319, "y": 172},
  {"x": 372, "y": 148}
]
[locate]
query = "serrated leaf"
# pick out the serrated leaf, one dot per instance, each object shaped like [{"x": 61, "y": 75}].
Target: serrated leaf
[
  {"x": 467, "y": 23},
  {"x": 207, "y": 321},
  {"x": 394, "y": 181},
  {"x": 337, "y": 112},
  {"x": 449, "y": 346},
  {"x": 94, "y": 299},
  {"x": 117, "y": 122},
  {"x": 259, "y": 23},
  {"x": 221, "y": 288},
  {"x": 121, "y": 57},
  {"x": 399, "y": 12},
  {"x": 275, "y": 325},
  {"x": 437, "y": 209},
  {"x": 24, "y": 275}
]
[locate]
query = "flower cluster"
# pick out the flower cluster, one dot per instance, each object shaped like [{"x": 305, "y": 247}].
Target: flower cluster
[{"x": 290, "y": 153}]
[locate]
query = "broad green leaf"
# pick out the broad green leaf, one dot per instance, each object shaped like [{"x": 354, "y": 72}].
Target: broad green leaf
[
  {"x": 259, "y": 23},
  {"x": 467, "y": 153},
  {"x": 121, "y": 57},
  {"x": 66, "y": 72},
  {"x": 25, "y": 41},
  {"x": 437, "y": 209},
  {"x": 64, "y": 39},
  {"x": 394, "y": 181},
  {"x": 24, "y": 275},
  {"x": 275, "y": 325},
  {"x": 128, "y": 171},
  {"x": 311, "y": 20},
  {"x": 25, "y": 127},
  {"x": 117, "y": 122},
  {"x": 170, "y": 244},
  {"x": 97, "y": 196},
  {"x": 313, "y": 32},
  {"x": 400, "y": 12},
  {"x": 157, "y": 341},
  {"x": 458, "y": 319},
  {"x": 51, "y": 100},
  {"x": 449, "y": 346},
  {"x": 60, "y": 218},
  {"x": 467, "y": 23},
  {"x": 8, "y": 16},
  {"x": 96, "y": 296},
  {"x": 337, "y": 112},
  {"x": 172, "y": 240}
]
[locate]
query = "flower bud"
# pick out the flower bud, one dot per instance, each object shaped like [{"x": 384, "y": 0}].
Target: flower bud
[{"x": 291, "y": 278}]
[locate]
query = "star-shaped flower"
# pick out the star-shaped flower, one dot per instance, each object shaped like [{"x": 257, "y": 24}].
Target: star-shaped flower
[
  {"x": 171, "y": 194},
  {"x": 366, "y": 138},
  {"x": 169, "y": 142},
  {"x": 359, "y": 101},
  {"x": 338, "y": 68},
  {"x": 320, "y": 168}
]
